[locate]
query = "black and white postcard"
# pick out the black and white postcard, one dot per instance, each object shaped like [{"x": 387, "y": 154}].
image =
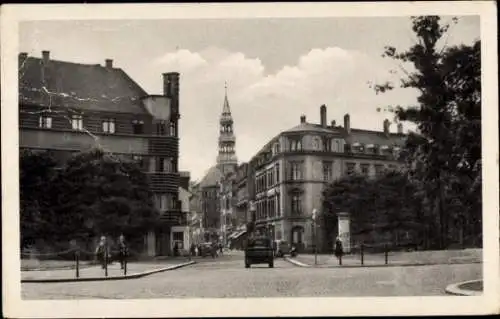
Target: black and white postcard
[{"x": 277, "y": 159}]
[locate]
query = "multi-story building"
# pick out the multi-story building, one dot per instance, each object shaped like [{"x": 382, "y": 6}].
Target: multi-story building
[
  {"x": 293, "y": 168},
  {"x": 67, "y": 107},
  {"x": 210, "y": 185}
]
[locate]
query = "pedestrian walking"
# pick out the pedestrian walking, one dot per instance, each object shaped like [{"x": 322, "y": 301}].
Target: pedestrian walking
[
  {"x": 102, "y": 252},
  {"x": 339, "y": 249},
  {"x": 122, "y": 251},
  {"x": 220, "y": 248},
  {"x": 193, "y": 249}
]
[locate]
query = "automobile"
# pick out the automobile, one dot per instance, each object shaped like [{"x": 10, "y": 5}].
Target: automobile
[
  {"x": 207, "y": 249},
  {"x": 259, "y": 250},
  {"x": 282, "y": 248}
]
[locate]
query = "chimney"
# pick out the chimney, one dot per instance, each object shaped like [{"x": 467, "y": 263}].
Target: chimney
[
  {"x": 46, "y": 57},
  {"x": 400, "y": 128},
  {"x": 347, "y": 123},
  {"x": 386, "y": 126},
  {"x": 171, "y": 90},
  {"x": 109, "y": 64},
  {"x": 333, "y": 123},
  {"x": 322, "y": 113},
  {"x": 302, "y": 119}
]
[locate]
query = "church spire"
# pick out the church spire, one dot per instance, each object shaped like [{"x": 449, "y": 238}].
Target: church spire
[
  {"x": 226, "y": 110},
  {"x": 226, "y": 159}
]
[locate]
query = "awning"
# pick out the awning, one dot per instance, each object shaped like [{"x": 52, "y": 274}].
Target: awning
[
  {"x": 370, "y": 146},
  {"x": 356, "y": 144},
  {"x": 384, "y": 147},
  {"x": 239, "y": 234}
]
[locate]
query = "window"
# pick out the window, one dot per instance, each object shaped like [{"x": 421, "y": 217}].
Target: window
[
  {"x": 160, "y": 128},
  {"x": 178, "y": 236},
  {"x": 276, "y": 148},
  {"x": 172, "y": 129},
  {"x": 365, "y": 169},
  {"x": 327, "y": 171},
  {"x": 278, "y": 204},
  {"x": 138, "y": 127},
  {"x": 164, "y": 165},
  {"x": 317, "y": 145},
  {"x": 379, "y": 169},
  {"x": 296, "y": 204},
  {"x": 347, "y": 148},
  {"x": 277, "y": 169},
  {"x": 327, "y": 144},
  {"x": 108, "y": 126},
  {"x": 139, "y": 160},
  {"x": 45, "y": 121},
  {"x": 295, "y": 145},
  {"x": 350, "y": 168},
  {"x": 77, "y": 122},
  {"x": 163, "y": 202},
  {"x": 295, "y": 171}
]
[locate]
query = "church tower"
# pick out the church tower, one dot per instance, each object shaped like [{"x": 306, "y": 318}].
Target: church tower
[{"x": 226, "y": 160}]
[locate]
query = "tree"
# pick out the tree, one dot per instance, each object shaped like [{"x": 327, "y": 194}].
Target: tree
[
  {"x": 97, "y": 194},
  {"x": 444, "y": 154},
  {"x": 380, "y": 208},
  {"x": 36, "y": 170}
]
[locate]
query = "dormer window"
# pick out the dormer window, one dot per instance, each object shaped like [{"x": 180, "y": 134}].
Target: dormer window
[
  {"x": 295, "y": 145},
  {"x": 385, "y": 149},
  {"x": 276, "y": 148},
  {"x": 317, "y": 145},
  {"x": 358, "y": 147},
  {"x": 327, "y": 144}
]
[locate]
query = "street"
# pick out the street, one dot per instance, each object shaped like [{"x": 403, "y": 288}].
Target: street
[{"x": 226, "y": 277}]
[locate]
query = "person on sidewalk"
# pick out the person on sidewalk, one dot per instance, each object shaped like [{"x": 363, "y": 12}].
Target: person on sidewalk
[
  {"x": 339, "y": 249},
  {"x": 101, "y": 251},
  {"x": 193, "y": 250},
  {"x": 122, "y": 251}
]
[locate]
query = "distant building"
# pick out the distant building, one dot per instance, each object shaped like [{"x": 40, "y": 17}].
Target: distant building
[
  {"x": 226, "y": 163},
  {"x": 67, "y": 107},
  {"x": 291, "y": 171}
]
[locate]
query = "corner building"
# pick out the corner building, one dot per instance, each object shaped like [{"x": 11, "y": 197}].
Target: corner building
[
  {"x": 67, "y": 107},
  {"x": 292, "y": 170}
]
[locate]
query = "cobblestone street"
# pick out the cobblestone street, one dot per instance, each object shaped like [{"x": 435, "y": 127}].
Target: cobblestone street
[{"x": 227, "y": 277}]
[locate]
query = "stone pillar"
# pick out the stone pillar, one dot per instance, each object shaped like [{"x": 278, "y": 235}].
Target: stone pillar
[
  {"x": 151, "y": 244},
  {"x": 344, "y": 231}
]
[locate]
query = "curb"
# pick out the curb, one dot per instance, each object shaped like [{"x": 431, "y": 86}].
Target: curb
[
  {"x": 58, "y": 268},
  {"x": 132, "y": 276},
  {"x": 297, "y": 263},
  {"x": 300, "y": 264},
  {"x": 455, "y": 290}
]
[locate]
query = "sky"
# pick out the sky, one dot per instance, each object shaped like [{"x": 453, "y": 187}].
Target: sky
[{"x": 276, "y": 69}]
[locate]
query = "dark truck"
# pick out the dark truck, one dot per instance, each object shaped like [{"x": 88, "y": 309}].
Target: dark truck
[{"x": 259, "y": 250}]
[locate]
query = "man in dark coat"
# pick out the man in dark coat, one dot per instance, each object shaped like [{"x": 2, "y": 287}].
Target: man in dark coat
[
  {"x": 122, "y": 251},
  {"x": 339, "y": 250}
]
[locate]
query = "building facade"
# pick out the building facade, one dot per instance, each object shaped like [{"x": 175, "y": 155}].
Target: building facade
[
  {"x": 291, "y": 171},
  {"x": 67, "y": 107}
]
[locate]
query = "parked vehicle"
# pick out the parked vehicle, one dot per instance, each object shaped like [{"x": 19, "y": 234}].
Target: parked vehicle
[
  {"x": 282, "y": 248},
  {"x": 207, "y": 249},
  {"x": 259, "y": 250}
]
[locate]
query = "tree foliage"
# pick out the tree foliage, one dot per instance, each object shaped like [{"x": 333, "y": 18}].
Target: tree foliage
[
  {"x": 92, "y": 194},
  {"x": 444, "y": 155},
  {"x": 379, "y": 207}
]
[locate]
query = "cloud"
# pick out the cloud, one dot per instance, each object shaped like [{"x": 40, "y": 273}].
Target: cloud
[{"x": 265, "y": 104}]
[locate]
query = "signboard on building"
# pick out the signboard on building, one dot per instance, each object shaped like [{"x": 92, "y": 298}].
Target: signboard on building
[{"x": 344, "y": 231}]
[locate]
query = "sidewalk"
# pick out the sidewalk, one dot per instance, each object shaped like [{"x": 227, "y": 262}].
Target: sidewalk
[
  {"x": 467, "y": 256},
  {"x": 134, "y": 270}
]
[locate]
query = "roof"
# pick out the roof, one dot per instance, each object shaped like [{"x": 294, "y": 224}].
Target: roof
[
  {"x": 373, "y": 137},
  {"x": 303, "y": 127},
  {"x": 211, "y": 177},
  {"x": 86, "y": 86}
]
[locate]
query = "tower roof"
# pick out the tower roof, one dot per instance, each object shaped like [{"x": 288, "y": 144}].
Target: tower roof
[{"x": 226, "y": 110}]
